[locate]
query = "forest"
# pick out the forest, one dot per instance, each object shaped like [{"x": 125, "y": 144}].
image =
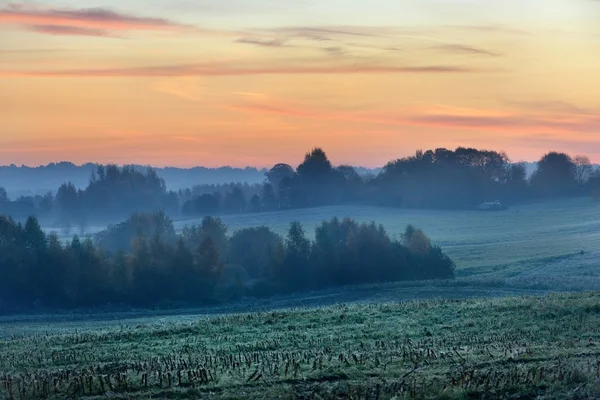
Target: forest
[
  {"x": 434, "y": 179},
  {"x": 143, "y": 262}
]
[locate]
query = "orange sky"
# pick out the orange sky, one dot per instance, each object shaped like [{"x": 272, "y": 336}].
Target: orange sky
[{"x": 255, "y": 82}]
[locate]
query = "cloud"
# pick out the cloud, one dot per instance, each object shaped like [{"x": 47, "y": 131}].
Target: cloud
[
  {"x": 335, "y": 51},
  {"x": 481, "y": 121},
  {"x": 216, "y": 69},
  {"x": 262, "y": 43},
  {"x": 327, "y": 33},
  {"x": 68, "y": 30},
  {"x": 89, "y": 21},
  {"x": 495, "y": 29},
  {"x": 463, "y": 49},
  {"x": 553, "y": 106}
]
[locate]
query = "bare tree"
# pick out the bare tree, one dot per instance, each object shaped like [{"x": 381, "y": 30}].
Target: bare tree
[{"x": 583, "y": 169}]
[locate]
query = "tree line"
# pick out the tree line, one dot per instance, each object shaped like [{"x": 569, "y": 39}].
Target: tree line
[
  {"x": 144, "y": 262},
  {"x": 441, "y": 178}
]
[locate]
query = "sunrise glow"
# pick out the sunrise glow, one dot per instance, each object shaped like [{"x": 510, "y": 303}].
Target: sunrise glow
[{"x": 255, "y": 82}]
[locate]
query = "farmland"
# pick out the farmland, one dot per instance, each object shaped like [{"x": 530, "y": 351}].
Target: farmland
[{"x": 521, "y": 347}]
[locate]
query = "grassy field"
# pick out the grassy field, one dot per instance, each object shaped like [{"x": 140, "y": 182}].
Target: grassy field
[
  {"x": 535, "y": 239},
  {"x": 540, "y": 239},
  {"x": 509, "y": 348}
]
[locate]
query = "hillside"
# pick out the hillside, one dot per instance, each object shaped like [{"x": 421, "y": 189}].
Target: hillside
[{"x": 514, "y": 348}]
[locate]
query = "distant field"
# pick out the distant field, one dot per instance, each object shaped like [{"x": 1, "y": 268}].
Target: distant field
[
  {"x": 542, "y": 239},
  {"x": 514, "y": 348}
]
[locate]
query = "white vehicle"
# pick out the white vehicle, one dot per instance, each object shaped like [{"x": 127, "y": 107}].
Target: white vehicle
[{"x": 492, "y": 206}]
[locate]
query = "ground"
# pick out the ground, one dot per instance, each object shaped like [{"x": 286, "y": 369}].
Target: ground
[{"x": 511, "y": 348}]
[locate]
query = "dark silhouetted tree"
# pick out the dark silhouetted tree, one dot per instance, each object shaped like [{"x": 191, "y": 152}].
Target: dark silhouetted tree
[
  {"x": 252, "y": 248},
  {"x": 278, "y": 173},
  {"x": 269, "y": 200},
  {"x": 555, "y": 176},
  {"x": 254, "y": 205},
  {"x": 234, "y": 201},
  {"x": 583, "y": 169}
]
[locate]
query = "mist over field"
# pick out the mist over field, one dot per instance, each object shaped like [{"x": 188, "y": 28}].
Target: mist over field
[{"x": 300, "y": 199}]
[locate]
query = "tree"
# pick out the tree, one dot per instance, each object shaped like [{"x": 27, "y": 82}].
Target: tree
[
  {"x": 416, "y": 241},
  {"x": 46, "y": 204},
  {"x": 583, "y": 169},
  {"x": 68, "y": 204},
  {"x": 555, "y": 176},
  {"x": 352, "y": 182},
  {"x": 251, "y": 248},
  {"x": 206, "y": 204},
  {"x": 297, "y": 273},
  {"x": 234, "y": 201},
  {"x": 255, "y": 204},
  {"x": 209, "y": 267},
  {"x": 320, "y": 183},
  {"x": 269, "y": 200},
  {"x": 120, "y": 236},
  {"x": 278, "y": 173},
  {"x": 516, "y": 181},
  {"x": 315, "y": 165},
  {"x": 594, "y": 183},
  {"x": 4, "y": 200}
]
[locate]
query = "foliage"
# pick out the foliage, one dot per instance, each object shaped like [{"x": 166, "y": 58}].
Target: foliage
[
  {"x": 142, "y": 261},
  {"x": 435, "y": 179},
  {"x": 556, "y": 175}
]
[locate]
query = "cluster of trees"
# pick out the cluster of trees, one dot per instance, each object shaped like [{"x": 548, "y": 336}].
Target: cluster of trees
[
  {"x": 143, "y": 262},
  {"x": 228, "y": 198},
  {"x": 440, "y": 178},
  {"x": 112, "y": 193}
]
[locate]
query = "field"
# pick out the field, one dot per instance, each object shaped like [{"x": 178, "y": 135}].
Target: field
[
  {"x": 515, "y": 348},
  {"x": 554, "y": 238},
  {"x": 507, "y": 328},
  {"x": 539, "y": 239}
]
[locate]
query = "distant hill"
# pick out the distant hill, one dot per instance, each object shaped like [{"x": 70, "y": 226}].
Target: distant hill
[{"x": 24, "y": 180}]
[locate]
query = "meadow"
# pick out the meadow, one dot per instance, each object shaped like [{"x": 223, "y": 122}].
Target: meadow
[
  {"x": 549, "y": 238},
  {"x": 507, "y": 328},
  {"x": 504, "y": 348},
  {"x": 553, "y": 238}
]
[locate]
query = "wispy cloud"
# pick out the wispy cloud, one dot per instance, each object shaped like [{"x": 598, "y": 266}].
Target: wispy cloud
[
  {"x": 481, "y": 120},
  {"x": 495, "y": 29},
  {"x": 216, "y": 69},
  {"x": 263, "y": 42},
  {"x": 336, "y": 51},
  {"x": 88, "y": 21},
  {"x": 464, "y": 49},
  {"x": 68, "y": 30},
  {"x": 327, "y": 33}
]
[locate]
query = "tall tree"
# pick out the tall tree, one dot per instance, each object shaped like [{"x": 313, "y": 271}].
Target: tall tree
[
  {"x": 4, "y": 200},
  {"x": 555, "y": 176},
  {"x": 68, "y": 204},
  {"x": 583, "y": 169},
  {"x": 278, "y": 173},
  {"x": 269, "y": 200},
  {"x": 297, "y": 274}
]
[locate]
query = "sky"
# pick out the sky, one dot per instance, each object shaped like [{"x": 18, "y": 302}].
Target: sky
[{"x": 257, "y": 82}]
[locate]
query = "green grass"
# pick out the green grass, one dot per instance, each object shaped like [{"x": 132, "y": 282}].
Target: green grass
[{"x": 510, "y": 348}]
